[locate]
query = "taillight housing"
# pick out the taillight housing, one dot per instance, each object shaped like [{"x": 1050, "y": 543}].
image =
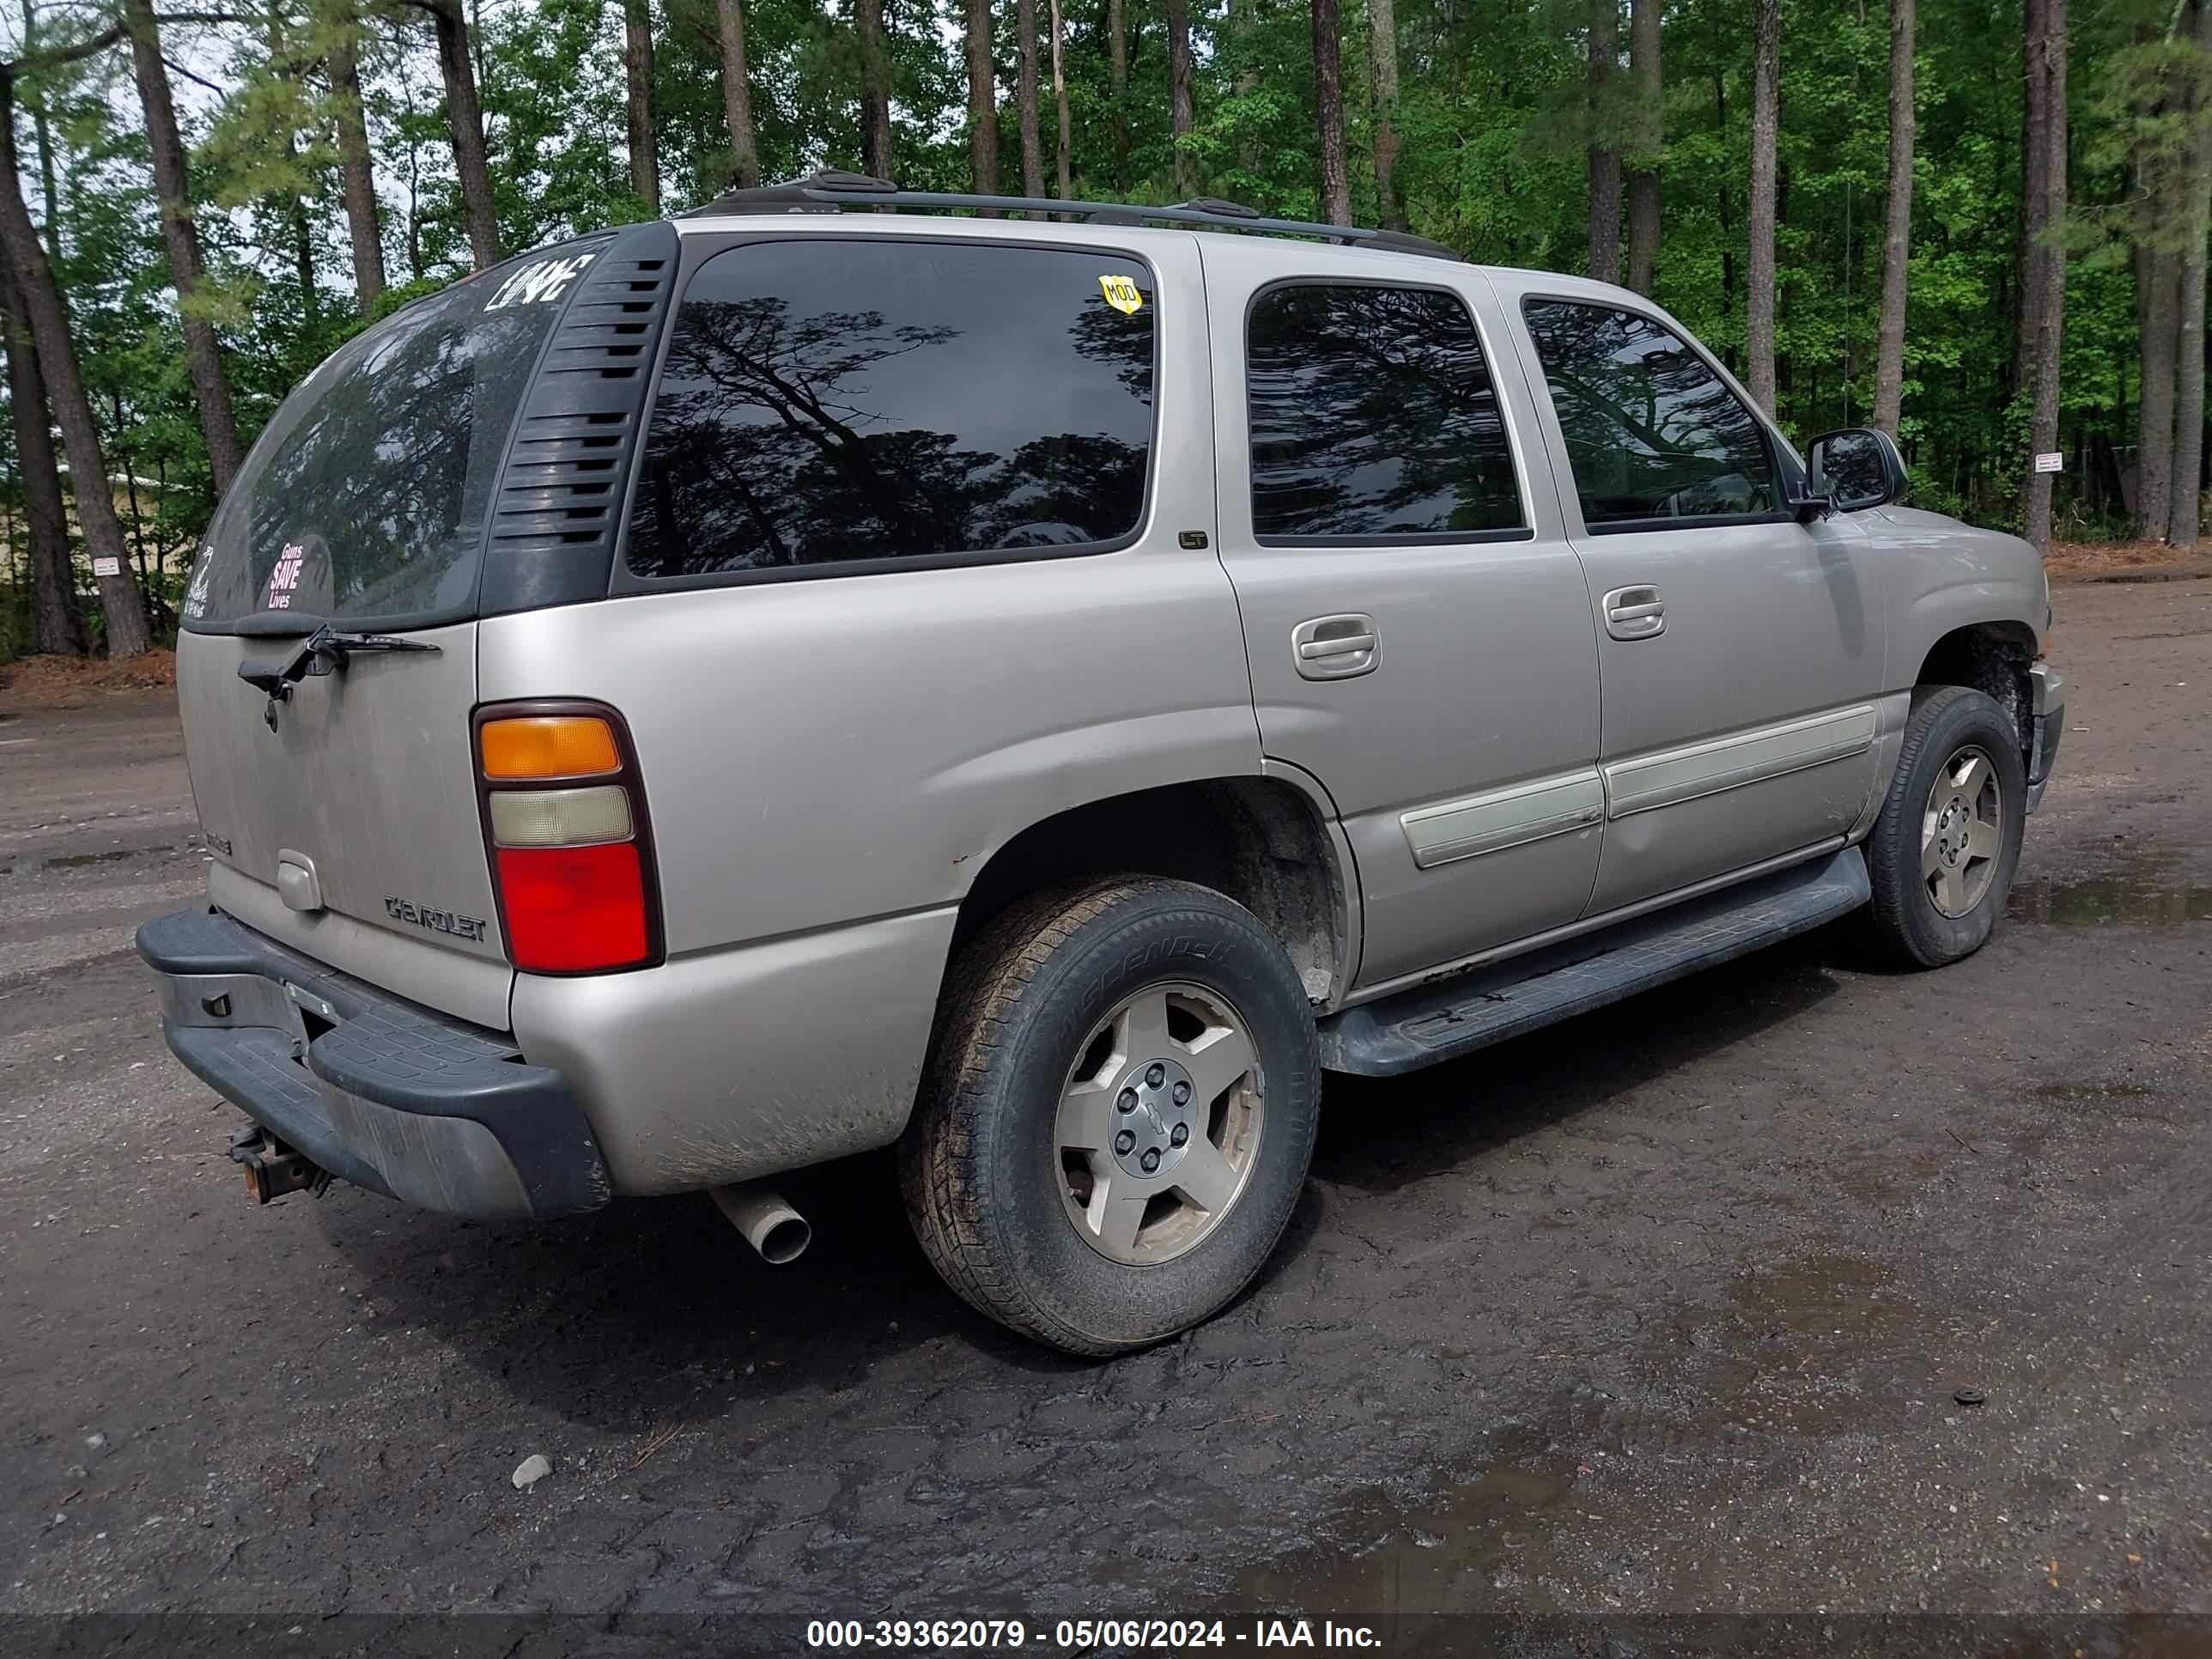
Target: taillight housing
[{"x": 566, "y": 830}]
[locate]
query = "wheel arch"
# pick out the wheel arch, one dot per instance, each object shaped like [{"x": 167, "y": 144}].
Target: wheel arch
[
  {"x": 1991, "y": 657},
  {"x": 1263, "y": 841}
]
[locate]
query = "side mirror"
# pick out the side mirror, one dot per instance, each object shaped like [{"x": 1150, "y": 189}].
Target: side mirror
[{"x": 1857, "y": 467}]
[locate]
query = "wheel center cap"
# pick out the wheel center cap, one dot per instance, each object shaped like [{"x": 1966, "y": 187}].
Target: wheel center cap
[{"x": 1155, "y": 1116}]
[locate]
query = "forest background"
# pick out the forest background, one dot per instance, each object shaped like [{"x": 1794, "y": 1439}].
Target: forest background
[{"x": 1981, "y": 224}]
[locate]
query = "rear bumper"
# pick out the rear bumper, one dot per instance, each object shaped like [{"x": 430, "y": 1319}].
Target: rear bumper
[
  {"x": 2048, "y": 688},
  {"x": 378, "y": 1091}
]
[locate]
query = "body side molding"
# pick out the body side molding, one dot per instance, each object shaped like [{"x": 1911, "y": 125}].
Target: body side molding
[{"x": 1668, "y": 777}]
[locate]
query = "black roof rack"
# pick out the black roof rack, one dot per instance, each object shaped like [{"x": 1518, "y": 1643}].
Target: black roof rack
[{"x": 832, "y": 192}]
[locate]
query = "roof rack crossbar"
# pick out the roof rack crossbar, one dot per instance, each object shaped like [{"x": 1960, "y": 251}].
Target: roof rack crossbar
[{"x": 844, "y": 191}]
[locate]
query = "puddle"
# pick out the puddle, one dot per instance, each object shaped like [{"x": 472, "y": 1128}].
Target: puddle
[
  {"x": 2130, "y": 899},
  {"x": 72, "y": 860},
  {"x": 2124, "y": 1091},
  {"x": 1816, "y": 1296},
  {"x": 1445, "y": 1553}
]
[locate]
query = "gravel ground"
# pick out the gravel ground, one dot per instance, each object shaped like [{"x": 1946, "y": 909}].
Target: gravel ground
[{"x": 1666, "y": 1311}]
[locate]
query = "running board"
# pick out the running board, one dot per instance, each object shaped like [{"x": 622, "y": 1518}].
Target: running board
[{"x": 1471, "y": 1011}]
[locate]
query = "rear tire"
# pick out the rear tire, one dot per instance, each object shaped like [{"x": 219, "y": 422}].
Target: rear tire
[
  {"x": 1117, "y": 1115},
  {"x": 1942, "y": 852}
]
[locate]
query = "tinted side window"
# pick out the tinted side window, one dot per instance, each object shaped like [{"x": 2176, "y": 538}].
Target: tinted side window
[
  {"x": 1373, "y": 414},
  {"x": 1651, "y": 431},
  {"x": 831, "y": 400}
]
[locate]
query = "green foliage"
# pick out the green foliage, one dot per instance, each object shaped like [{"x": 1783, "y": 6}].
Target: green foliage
[{"x": 1494, "y": 117}]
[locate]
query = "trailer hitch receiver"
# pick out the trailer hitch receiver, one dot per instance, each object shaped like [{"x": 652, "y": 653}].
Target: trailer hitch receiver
[{"x": 272, "y": 1169}]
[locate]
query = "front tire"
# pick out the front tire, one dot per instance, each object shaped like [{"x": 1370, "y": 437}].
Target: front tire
[
  {"x": 1116, "y": 1115},
  {"x": 1942, "y": 852}
]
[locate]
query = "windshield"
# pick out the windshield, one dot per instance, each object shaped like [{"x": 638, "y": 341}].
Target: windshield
[{"x": 364, "y": 499}]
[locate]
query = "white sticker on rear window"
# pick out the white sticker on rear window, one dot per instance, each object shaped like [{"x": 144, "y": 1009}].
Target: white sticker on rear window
[
  {"x": 540, "y": 282},
  {"x": 195, "y": 600},
  {"x": 284, "y": 579}
]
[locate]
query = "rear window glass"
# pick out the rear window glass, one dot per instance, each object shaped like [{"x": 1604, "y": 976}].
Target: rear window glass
[
  {"x": 828, "y": 401},
  {"x": 365, "y": 498},
  {"x": 1373, "y": 417}
]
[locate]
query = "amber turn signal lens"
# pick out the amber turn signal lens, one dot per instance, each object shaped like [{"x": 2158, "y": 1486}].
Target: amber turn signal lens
[{"x": 548, "y": 746}]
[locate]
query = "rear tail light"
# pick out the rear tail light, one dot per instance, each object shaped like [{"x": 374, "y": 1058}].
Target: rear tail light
[
  {"x": 548, "y": 746},
  {"x": 571, "y": 851}
]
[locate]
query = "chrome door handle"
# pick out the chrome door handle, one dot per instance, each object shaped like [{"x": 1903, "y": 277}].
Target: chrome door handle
[
  {"x": 1635, "y": 613},
  {"x": 1340, "y": 647},
  {"x": 1336, "y": 647}
]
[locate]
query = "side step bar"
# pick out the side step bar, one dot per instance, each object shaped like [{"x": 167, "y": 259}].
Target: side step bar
[{"x": 1457, "y": 1016}]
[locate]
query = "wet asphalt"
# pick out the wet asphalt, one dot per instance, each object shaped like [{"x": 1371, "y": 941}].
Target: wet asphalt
[{"x": 1802, "y": 1292}]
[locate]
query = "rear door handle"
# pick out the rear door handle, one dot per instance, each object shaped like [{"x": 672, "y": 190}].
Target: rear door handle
[
  {"x": 1336, "y": 647},
  {"x": 1635, "y": 613}
]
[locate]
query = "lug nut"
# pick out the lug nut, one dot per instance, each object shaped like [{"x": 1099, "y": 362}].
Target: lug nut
[
  {"x": 1181, "y": 1135},
  {"x": 1157, "y": 1076},
  {"x": 1150, "y": 1160},
  {"x": 1125, "y": 1143},
  {"x": 1182, "y": 1094},
  {"x": 1128, "y": 1101}
]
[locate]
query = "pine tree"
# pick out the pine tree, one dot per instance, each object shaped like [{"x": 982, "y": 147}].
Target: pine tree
[
  {"x": 1759, "y": 261},
  {"x": 1897, "y": 225}
]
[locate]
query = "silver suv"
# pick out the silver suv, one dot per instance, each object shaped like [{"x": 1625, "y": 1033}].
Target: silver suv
[{"x": 717, "y": 696}]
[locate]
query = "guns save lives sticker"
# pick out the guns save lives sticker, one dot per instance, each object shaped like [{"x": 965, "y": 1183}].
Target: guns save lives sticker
[
  {"x": 1122, "y": 294},
  {"x": 300, "y": 579},
  {"x": 284, "y": 579}
]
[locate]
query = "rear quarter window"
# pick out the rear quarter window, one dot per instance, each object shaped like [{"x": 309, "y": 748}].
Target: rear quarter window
[{"x": 833, "y": 403}]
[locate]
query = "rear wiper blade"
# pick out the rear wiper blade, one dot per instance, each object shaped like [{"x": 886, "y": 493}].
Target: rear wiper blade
[{"x": 325, "y": 650}]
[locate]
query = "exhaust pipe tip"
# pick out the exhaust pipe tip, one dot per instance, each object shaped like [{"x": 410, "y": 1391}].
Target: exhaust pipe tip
[
  {"x": 770, "y": 1224},
  {"x": 785, "y": 1240}
]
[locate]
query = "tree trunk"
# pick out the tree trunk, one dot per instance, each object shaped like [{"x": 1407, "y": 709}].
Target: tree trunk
[
  {"x": 1329, "y": 107},
  {"x": 2034, "y": 202},
  {"x": 738, "y": 94},
  {"x": 128, "y": 634},
  {"x": 1026, "y": 97},
  {"x": 2158, "y": 306},
  {"x": 2043, "y": 319},
  {"x": 2185, "y": 512},
  {"x": 1604, "y": 146},
  {"x": 1239, "y": 20},
  {"x": 637, "y": 76},
  {"x": 49, "y": 186},
  {"x": 983, "y": 99},
  {"x": 1759, "y": 260},
  {"x": 1647, "y": 139},
  {"x": 173, "y": 187},
  {"x": 1382, "y": 20},
  {"x": 1897, "y": 225},
  {"x": 1722, "y": 203},
  {"x": 465, "y": 121},
  {"x": 875, "y": 92},
  {"x": 1063, "y": 155},
  {"x": 282, "y": 63},
  {"x": 53, "y": 585},
  {"x": 1181, "y": 116},
  {"x": 303, "y": 235},
  {"x": 356, "y": 164},
  {"x": 1117, "y": 70}
]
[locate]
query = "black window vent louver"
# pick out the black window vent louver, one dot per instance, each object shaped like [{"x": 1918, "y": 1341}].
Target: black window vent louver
[{"x": 558, "y": 509}]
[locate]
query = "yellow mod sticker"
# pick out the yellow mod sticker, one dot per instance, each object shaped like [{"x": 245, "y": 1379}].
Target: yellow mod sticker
[{"x": 1122, "y": 294}]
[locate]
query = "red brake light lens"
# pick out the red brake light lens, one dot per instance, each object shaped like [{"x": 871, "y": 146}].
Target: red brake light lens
[
  {"x": 571, "y": 848},
  {"x": 575, "y": 909}
]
